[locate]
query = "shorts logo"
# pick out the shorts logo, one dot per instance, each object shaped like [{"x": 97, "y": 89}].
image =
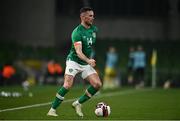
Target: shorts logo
[{"x": 70, "y": 70}]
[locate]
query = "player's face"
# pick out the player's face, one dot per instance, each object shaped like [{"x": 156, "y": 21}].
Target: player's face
[{"x": 88, "y": 17}]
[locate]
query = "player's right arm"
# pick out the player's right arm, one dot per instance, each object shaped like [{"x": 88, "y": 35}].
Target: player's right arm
[
  {"x": 77, "y": 42},
  {"x": 80, "y": 54}
]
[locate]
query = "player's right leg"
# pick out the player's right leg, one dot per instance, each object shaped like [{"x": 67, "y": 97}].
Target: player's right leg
[
  {"x": 68, "y": 82},
  {"x": 70, "y": 72}
]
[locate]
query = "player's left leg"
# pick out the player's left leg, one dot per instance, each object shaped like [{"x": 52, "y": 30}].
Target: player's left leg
[
  {"x": 96, "y": 84},
  {"x": 90, "y": 91}
]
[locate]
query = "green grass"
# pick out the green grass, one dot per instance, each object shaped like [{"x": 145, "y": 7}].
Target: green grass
[{"x": 125, "y": 103}]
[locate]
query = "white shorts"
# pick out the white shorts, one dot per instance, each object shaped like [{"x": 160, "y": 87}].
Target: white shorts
[{"x": 72, "y": 68}]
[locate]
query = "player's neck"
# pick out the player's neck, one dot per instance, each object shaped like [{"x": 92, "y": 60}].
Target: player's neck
[{"x": 85, "y": 25}]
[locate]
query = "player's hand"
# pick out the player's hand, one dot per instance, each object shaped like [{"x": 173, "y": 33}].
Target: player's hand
[{"x": 92, "y": 62}]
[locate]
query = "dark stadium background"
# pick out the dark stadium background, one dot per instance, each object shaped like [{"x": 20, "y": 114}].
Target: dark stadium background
[
  {"x": 33, "y": 32},
  {"x": 40, "y": 30}
]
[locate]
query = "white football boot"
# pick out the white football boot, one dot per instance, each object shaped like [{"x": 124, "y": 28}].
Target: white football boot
[
  {"x": 77, "y": 106},
  {"x": 52, "y": 112}
]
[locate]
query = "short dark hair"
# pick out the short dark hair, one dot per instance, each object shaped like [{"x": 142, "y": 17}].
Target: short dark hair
[{"x": 84, "y": 9}]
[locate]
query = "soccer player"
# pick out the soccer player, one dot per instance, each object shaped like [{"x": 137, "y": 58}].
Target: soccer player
[
  {"x": 139, "y": 66},
  {"x": 79, "y": 61},
  {"x": 110, "y": 78}
]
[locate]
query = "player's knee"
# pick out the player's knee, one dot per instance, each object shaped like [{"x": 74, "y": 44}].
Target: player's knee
[
  {"x": 100, "y": 84},
  {"x": 68, "y": 82},
  {"x": 67, "y": 86},
  {"x": 97, "y": 85}
]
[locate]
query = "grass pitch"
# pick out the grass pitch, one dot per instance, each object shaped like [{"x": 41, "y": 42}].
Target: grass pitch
[{"x": 125, "y": 103}]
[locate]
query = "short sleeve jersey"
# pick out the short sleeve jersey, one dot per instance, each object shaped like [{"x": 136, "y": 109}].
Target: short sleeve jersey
[{"x": 87, "y": 37}]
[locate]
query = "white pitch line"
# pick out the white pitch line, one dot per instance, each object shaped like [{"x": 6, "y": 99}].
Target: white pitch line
[
  {"x": 30, "y": 106},
  {"x": 69, "y": 100}
]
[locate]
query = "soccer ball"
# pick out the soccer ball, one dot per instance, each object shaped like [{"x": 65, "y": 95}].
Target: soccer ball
[{"x": 102, "y": 110}]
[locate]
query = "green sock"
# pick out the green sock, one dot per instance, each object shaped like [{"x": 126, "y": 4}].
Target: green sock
[
  {"x": 85, "y": 97},
  {"x": 61, "y": 92}
]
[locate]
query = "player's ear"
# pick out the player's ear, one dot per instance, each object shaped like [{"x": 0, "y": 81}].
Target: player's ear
[{"x": 81, "y": 16}]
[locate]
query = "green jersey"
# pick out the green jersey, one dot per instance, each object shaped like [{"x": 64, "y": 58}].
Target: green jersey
[{"x": 87, "y": 37}]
